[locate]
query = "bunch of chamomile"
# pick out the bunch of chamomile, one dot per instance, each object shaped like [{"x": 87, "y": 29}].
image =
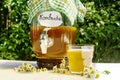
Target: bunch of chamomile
[
  {"x": 88, "y": 72},
  {"x": 26, "y": 67},
  {"x": 63, "y": 69}
]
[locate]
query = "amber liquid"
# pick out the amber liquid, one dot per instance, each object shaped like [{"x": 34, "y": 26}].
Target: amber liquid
[
  {"x": 80, "y": 58},
  {"x": 61, "y": 36},
  {"x": 75, "y": 59}
]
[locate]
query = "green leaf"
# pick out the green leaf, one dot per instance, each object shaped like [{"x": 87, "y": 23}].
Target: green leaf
[
  {"x": 106, "y": 72},
  {"x": 10, "y": 47}
]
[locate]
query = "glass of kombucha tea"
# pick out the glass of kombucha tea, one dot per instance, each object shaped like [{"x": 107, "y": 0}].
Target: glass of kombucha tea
[{"x": 79, "y": 57}]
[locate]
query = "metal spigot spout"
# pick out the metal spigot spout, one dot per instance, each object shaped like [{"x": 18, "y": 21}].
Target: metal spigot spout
[{"x": 44, "y": 40}]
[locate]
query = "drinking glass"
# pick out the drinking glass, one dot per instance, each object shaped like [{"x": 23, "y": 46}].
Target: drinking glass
[{"x": 79, "y": 57}]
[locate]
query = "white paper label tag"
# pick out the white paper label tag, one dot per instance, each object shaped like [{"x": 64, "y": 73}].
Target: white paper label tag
[{"x": 50, "y": 19}]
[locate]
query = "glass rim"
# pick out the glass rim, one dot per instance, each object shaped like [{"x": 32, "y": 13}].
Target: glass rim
[{"x": 81, "y": 45}]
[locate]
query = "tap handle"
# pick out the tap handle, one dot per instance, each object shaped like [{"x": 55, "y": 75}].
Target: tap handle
[{"x": 44, "y": 40}]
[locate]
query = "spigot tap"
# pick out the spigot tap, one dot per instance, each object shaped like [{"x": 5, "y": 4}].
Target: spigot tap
[{"x": 44, "y": 40}]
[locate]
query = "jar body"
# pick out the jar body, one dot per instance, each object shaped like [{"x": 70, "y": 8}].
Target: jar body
[{"x": 58, "y": 38}]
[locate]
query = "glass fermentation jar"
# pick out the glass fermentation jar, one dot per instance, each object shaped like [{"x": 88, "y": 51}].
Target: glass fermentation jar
[{"x": 52, "y": 28}]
